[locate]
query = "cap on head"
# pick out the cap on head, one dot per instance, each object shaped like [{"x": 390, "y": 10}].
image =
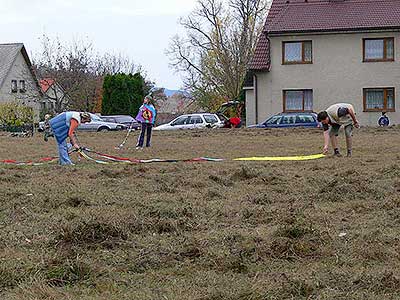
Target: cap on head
[{"x": 86, "y": 116}]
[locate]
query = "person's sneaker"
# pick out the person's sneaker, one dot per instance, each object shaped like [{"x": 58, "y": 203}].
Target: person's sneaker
[
  {"x": 349, "y": 153},
  {"x": 337, "y": 154},
  {"x": 139, "y": 148}
]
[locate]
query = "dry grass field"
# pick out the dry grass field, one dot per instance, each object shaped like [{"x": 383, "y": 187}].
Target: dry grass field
[{"x": 323, "y": 229}]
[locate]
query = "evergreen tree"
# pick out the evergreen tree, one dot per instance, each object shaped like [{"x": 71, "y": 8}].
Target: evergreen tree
[{"x": 123, "y": 94}]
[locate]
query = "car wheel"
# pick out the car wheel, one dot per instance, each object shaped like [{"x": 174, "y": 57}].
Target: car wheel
[{"x": 103, "y": 129}]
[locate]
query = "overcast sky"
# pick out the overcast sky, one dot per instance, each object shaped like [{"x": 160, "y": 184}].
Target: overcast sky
[{"x": 140, "y": 29}]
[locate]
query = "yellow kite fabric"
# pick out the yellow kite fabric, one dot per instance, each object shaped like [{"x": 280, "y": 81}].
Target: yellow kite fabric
[{"x": 283, "y": 158}]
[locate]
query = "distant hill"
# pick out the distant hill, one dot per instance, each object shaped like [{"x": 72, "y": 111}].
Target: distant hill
[{"x": 170, "y": 93}]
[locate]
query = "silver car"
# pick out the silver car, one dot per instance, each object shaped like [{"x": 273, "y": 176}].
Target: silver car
[
  {"x": 97, "y": 124},
  {"x": 193, "y": 121}
]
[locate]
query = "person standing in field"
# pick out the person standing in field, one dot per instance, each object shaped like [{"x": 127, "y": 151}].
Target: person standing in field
[
  {"x": 337, "y": 115},
  {"x": 63, "y": 126},
  {"x": 146, "y": 116}
]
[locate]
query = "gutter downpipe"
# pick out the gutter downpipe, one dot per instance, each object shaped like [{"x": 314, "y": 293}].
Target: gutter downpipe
[{"x": 255, "y": 83}]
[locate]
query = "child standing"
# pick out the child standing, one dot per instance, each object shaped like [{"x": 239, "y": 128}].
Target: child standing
[{"x": 146, "y": 116}]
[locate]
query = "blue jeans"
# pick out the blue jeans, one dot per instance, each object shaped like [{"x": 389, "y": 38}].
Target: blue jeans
[
  {"x": 63, "y": 154},
  {"x": 146, "y": 127}
]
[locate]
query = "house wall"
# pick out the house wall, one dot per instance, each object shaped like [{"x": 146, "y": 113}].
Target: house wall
[
  {"x": 337, "y": 74},
  {"x": 250, "y": 107},
  {"x": 32, "y": 96}
]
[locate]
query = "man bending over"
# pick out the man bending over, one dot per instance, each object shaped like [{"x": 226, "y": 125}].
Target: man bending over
[{"x": 337, "y": 115}]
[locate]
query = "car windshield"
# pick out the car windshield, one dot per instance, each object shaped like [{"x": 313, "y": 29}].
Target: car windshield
[
  {"x": 210, "y": 119},
  {"x": 95, "y": 117},
  {"x": 179, "y": 121},
  {"x": 273, "y": 120}
]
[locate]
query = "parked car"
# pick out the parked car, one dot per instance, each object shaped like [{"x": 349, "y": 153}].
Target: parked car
[
  {"x": 289, "y": 120},
  {"x": 193, "y": 121},
  {"x": 127, "y": 120},
  {"x": 97, "y": 124}
]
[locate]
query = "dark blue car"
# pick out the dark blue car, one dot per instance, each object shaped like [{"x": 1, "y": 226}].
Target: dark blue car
[{"x": 289, "y": 120}]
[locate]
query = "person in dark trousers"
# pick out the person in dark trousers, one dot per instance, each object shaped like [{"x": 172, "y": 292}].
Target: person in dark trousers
[
  {"x": 146, "y": 116},
  {"x": 337, "y": 115},
  {"x": 383, "y": 120},
  {"x": 63, "y": 126}
]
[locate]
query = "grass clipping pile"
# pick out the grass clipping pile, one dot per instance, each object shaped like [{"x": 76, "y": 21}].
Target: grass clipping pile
[{"x": 326, "y": 229}]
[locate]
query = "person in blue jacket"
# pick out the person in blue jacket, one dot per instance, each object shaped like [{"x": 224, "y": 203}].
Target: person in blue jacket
[
  {"x": 146, "y": 116},
  {"x": 64, "y": 126},
  {"x": 383, "y": 120}
]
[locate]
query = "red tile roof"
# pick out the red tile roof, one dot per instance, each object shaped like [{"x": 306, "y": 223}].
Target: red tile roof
[
  {"x": 325, "y": 15},
  {"x": 300, "y": 16},
  {"x": 260, "y": 60},
  {"x": 45, "y": 84}
]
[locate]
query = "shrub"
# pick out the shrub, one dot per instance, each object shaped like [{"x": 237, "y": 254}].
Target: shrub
[{"x": 14, "y": 114}]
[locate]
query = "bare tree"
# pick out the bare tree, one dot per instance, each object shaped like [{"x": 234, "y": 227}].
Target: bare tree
[
  {"x": 111, "y": 63},
  {"x": 62, "y": 66},
  {"x": 75, "y": 72},
  {"x": 219, "y": 42}
]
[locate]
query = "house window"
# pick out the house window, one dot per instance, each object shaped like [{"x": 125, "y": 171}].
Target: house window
[
  {"x": 379, "y": 99},
  {"x": 297, "y": 100},
  {"x": 378, "y": 49},
  {"x": 14, "y": 87},
  {"x": 297, "y": 52},
  {"x": 22, "y": 87}
]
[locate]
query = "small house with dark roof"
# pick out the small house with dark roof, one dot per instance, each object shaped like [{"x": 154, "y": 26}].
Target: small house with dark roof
[
  {"x": 18, "y": 81},
  {"x": 314, "y": 53}
]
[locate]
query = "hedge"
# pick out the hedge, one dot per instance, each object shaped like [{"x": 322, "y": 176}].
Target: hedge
[{"x": 14, "y": 114}]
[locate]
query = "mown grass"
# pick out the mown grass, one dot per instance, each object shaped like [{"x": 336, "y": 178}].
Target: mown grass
[{"x": 326, "y": 229}]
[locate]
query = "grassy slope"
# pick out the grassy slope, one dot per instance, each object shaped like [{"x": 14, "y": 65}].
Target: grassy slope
[{"x": 226, "y": 230}]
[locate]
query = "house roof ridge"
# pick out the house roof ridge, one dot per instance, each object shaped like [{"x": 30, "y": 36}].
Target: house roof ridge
[{"x": 11, "y": 44}]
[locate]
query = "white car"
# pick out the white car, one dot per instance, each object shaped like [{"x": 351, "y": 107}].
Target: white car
[{"x": 193, "y": 121}]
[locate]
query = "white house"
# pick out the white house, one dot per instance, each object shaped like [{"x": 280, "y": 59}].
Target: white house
[
  {"x": 17, "y": 78},
  {"x": 314, "y": 53}
]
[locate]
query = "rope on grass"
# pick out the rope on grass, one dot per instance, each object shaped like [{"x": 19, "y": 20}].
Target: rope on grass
[
  {"x": 117, "y": 159},
  {"x": 40, "y": 162},
  {"x": 107, "y": 159},
  {"x": 282, "y": 158}
]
